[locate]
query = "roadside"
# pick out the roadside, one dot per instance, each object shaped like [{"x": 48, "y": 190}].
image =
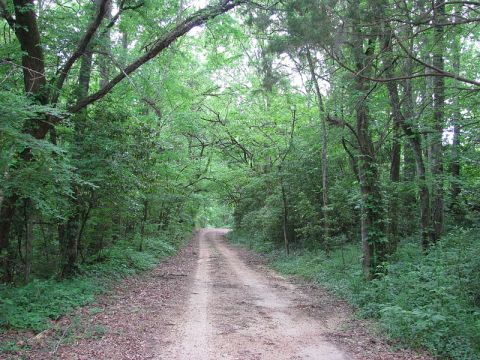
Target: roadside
[
  {"x": 120, "y": 324},
  {"x": 357, "y": 337},
  {"x": 213, "y": 301}
]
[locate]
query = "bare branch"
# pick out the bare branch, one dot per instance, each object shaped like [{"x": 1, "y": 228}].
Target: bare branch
[{"x": 437, "y": 70}]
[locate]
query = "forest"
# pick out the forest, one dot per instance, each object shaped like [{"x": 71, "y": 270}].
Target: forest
[{"x": 339, "y": 138}]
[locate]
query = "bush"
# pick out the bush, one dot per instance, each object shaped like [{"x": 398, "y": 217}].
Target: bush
[{"x": 34, "y": 305}]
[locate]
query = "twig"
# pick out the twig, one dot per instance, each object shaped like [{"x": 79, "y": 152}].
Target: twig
[{"x": 57, "y": 345}]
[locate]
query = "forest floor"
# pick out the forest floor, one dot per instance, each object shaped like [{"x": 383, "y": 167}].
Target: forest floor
[{"x": 212, "y": 301}]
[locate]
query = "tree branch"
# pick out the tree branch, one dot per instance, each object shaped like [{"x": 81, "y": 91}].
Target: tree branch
[
  {"x": 120, "y": 12},
  {"x": 198, "y": 18},
  {"x": 6, "y": 15},
  {"x": 336, "y": 121},
  {"x": 437, "y": 70},
  {"x": 82, "y": 46}
]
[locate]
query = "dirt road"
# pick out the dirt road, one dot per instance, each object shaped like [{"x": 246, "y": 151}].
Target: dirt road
[
  {"x": 235, "y": 312},
  {"x": 213, "y": 301}
]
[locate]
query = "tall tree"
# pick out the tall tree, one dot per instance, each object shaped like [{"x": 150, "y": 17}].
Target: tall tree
[{"x": 33, "y": 63}]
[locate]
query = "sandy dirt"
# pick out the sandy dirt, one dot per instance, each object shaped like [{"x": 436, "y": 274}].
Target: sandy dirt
[
  {"x": 235, "y": 312},
  {"x": 214, "y": 301}
]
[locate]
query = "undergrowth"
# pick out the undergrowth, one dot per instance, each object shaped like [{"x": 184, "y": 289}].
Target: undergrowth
[
  {"x": 427, "y": 301},
  {"x": 35, "y": 305}
]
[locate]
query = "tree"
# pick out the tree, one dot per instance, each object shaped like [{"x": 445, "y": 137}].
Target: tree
[{"x": 33, "y": 63}]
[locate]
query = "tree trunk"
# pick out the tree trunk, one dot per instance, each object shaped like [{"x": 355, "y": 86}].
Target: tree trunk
[
  {"x": 33, "y": 66},
  {"x": 28, "y": 239},
  {"x": 285, "y": 218},
  {"x": 424, "y": 193},
  {"x": 323, "y": 122},
  {"x": 397, "y": 118},
  {"x": 28, "y": 35},
  {"x": 67, "y": 237},
  {"x": 455, "y": 203},
  {"x": 395, "y": 180},
  {"x": 144, "y": 221},
  {"x": 83, "y": 222},
  {"x": 415, "y": 140},
  {"x": 105, "y": 45},
  {"x": 438, "y": 122},
  {"x": 69, "y": 232},
  {"x": 6, "y": 218},
  {"x": 372, "y": 224}
]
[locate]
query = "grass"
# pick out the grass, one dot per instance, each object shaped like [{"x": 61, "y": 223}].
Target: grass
[
  {"x": 428, "y": 301},
  {"x": 35, "y": 305}
]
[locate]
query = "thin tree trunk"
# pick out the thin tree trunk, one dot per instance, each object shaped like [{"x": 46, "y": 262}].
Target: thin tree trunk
[
  {"x": 285, "y": 218},
  {"x": 438, "y": 122},
  {"x": 424, "y": 193},
  {"x": 69, "y": 231},
  {"x": 397, "y": 118},
  {"x": 282, "y": 185},
  {"x": 323, "y": 122},
  {"x": 395, "y": 180},
  {"x": 144, "y": 221},
  {"x": 28, "y": 239},
  {"x": 455, "y": 203},
  {"x": 372, "y": 224},
  {"x": 83, "y": 223},
  {"x": 415, "y": 140}
]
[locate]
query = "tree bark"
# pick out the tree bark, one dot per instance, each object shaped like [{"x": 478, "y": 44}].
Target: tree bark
[
  {"x": 455, "y": 203},
  {"x": 438, "y": 122},
  {"x": 28, "y": 239},
  {"x": 285, "y": 217},
  {"x": 106, "y": 48},
  {"x": 372, "y": 224},
  {"x": 28, "y": 35},
  {"x": 323, "y": 122},
  {"x": 397, "y": 118}
]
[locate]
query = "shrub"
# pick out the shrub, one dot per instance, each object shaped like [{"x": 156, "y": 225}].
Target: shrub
[{"x": 33, "y": 306}]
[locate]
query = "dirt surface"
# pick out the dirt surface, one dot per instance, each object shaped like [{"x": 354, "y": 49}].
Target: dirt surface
[{"x": 214, "y": 301}]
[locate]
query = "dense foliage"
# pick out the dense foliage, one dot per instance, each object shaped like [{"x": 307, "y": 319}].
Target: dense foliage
[{"x": 345, "y": 133}]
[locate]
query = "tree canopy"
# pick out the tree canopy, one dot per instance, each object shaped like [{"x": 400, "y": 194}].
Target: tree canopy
[{"x": 306, "y": 124}]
